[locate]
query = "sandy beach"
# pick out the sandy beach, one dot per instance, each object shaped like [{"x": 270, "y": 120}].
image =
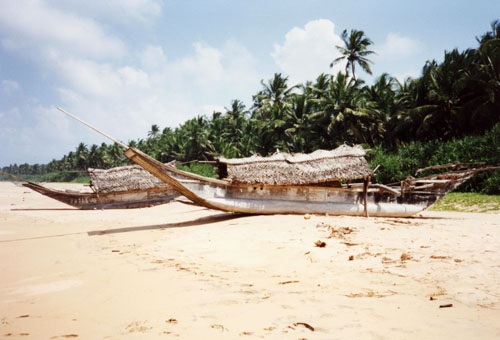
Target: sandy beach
[{"x": 186, "y": 272}]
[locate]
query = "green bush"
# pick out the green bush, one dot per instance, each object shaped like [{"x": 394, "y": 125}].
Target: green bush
[
  {"x": 396, "y": 165},
  {"x": 60, "y": 176},
  {"x": 206, "y": 170}
]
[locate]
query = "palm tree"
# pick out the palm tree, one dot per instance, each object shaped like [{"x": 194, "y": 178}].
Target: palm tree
[
  {"x": 384, "y": 118},
  {"x": 272, "y": 100},
  {"x": 355, "y": 50},
  {"x": 81, "y": 154},
  {"x": 300, "y": 135},
  {"x": 194, "y": 140},
  {"x": 483, "y": 81},
  {"x": 345, "y": 107},
  {"x": 494, "y": 34},
  {"x": 270, "y": 109},
  {"x": 155, "y": 131},
  {"x": 116, "y": 157}
]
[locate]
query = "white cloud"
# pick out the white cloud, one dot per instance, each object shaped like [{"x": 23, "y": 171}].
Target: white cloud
[
  {"x": 153, "y": 58},
  {"x": 398, "y": 46},
  {"x": 408, "y": 74},
  {"x": 209, "y": 109},
  {"x": 307, "y": 52},
  {"x": 131, "y": 76},
  {"x": 93, "y": 77},
  {"x": 10, "y": 86},
  {"x": 205, "y": 66},
  {"x": 31, "y": 24},
  {"x": 119, "y": 11},
  {"x": 403, "y": 56},
  {"x": 126, "y": 100}
]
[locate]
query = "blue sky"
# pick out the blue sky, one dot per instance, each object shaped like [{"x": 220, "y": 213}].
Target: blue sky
[{"x": 124, "y": 65}]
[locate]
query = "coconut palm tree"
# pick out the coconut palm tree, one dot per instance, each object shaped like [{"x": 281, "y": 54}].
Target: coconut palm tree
[
  {"x": 154, "y": 132},
  {"x": 272, "y": 100},
  {"x": 81, "y": 154},
  {"x": 355, "y": 51},
  {"x": 346, "y": 111},
  {"x": 483, "y": 81}
]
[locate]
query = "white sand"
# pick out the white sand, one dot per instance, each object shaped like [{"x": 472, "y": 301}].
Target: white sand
[{"x": 186, "y": 272}]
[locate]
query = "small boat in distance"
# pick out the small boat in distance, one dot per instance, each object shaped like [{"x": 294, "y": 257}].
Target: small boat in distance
[{"x": 117, "y": 188}]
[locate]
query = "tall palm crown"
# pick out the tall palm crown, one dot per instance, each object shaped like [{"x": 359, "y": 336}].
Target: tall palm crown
[
  {"x": 155, "y": 131},
  {"x": 355, "y": 50}
]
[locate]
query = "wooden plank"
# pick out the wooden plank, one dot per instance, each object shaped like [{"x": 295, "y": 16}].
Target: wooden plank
[
  {"x": 432, "y": 181},
  {"x": 366, "y": 183},
  {"x": 385, "y": 188}
]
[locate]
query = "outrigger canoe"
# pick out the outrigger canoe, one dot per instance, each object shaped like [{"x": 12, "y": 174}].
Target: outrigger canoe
[
  {"x": 117, "y": 188},
  {"x": 303, "y": 184},
  {"x": 406, "y": 199}
]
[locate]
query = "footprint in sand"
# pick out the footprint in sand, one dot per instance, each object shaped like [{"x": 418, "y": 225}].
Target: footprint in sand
[
  {"x": 20, "y": 334},
  {"x": 220, "y": 327},
  {"x": 65, "y": 336},
  {"x": 137, "y": 326}
]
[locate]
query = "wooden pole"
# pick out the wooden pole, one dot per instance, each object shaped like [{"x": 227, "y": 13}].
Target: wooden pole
[
  {"x": 93, "y": 128},
  {"x": 366, "y": 183},
  {"x": 13, "y": 177}
]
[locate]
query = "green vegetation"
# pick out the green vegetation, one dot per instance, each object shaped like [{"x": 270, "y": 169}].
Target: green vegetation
[
  {"x": 354, "y": 51},
  {"x": 55, "y": 176},
  {"x": 64, "y": 176},
  {"x": 468, "y": 202},
  {"x": 450, "y": 113},
  {"x": 201, "y": 169},
  {"x": 397, "y": 165}
]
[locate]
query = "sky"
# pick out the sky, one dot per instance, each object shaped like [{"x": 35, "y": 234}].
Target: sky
[{"x": 124, "y": 65}]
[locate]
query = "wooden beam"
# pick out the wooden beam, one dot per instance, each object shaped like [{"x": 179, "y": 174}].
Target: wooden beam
[{"x": 366, "y": 183}]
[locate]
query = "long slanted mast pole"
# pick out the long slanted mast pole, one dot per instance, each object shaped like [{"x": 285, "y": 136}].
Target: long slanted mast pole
[
  {"x": 13, "y": 177},
  {"x": 93, "y": 128}
]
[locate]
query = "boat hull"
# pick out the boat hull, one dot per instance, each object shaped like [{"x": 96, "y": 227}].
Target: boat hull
[
  {"x": 297, "y": 207},
  {"x": 273, "y": 199},
  {"x": 115, "y": 200}
]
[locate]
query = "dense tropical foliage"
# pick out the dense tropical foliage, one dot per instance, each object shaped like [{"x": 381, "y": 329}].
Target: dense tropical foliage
[{"x": 409, "y": 124}]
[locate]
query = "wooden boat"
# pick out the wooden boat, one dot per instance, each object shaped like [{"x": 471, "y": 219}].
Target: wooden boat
[
  {"x": 256, "y": 186},
  {"x": 326, "y": 197},
  {"x": 117, "y": 188}
]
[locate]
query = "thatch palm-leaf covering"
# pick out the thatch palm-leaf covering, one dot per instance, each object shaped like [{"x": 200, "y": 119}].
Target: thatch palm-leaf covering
[
  {"x": 342, "y": 163},
  {"x": 124, "y": 178}
]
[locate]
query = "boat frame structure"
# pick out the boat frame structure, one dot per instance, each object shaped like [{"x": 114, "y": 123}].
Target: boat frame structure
[
  {"x": 406, "y": 199},
  {"x": 125, "y": 199}
]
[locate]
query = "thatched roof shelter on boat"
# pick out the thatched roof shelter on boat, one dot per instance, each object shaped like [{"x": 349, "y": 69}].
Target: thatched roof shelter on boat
[
  {"x": 342, "y": 163},
  {"x": 124, "y": 178}
]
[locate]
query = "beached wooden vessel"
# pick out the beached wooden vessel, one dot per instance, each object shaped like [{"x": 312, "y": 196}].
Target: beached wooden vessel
[
  {"x": 117, "y": 188},
  {"x": 318, "y": 183},
  {"x": 257, "y": 186}
]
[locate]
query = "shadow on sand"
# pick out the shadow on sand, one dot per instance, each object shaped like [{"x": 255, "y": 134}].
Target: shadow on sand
[
  {"x": 43, "y": 209},
  {"x": 41, "y": 237},
  {"x": 199, "y": 221}
]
